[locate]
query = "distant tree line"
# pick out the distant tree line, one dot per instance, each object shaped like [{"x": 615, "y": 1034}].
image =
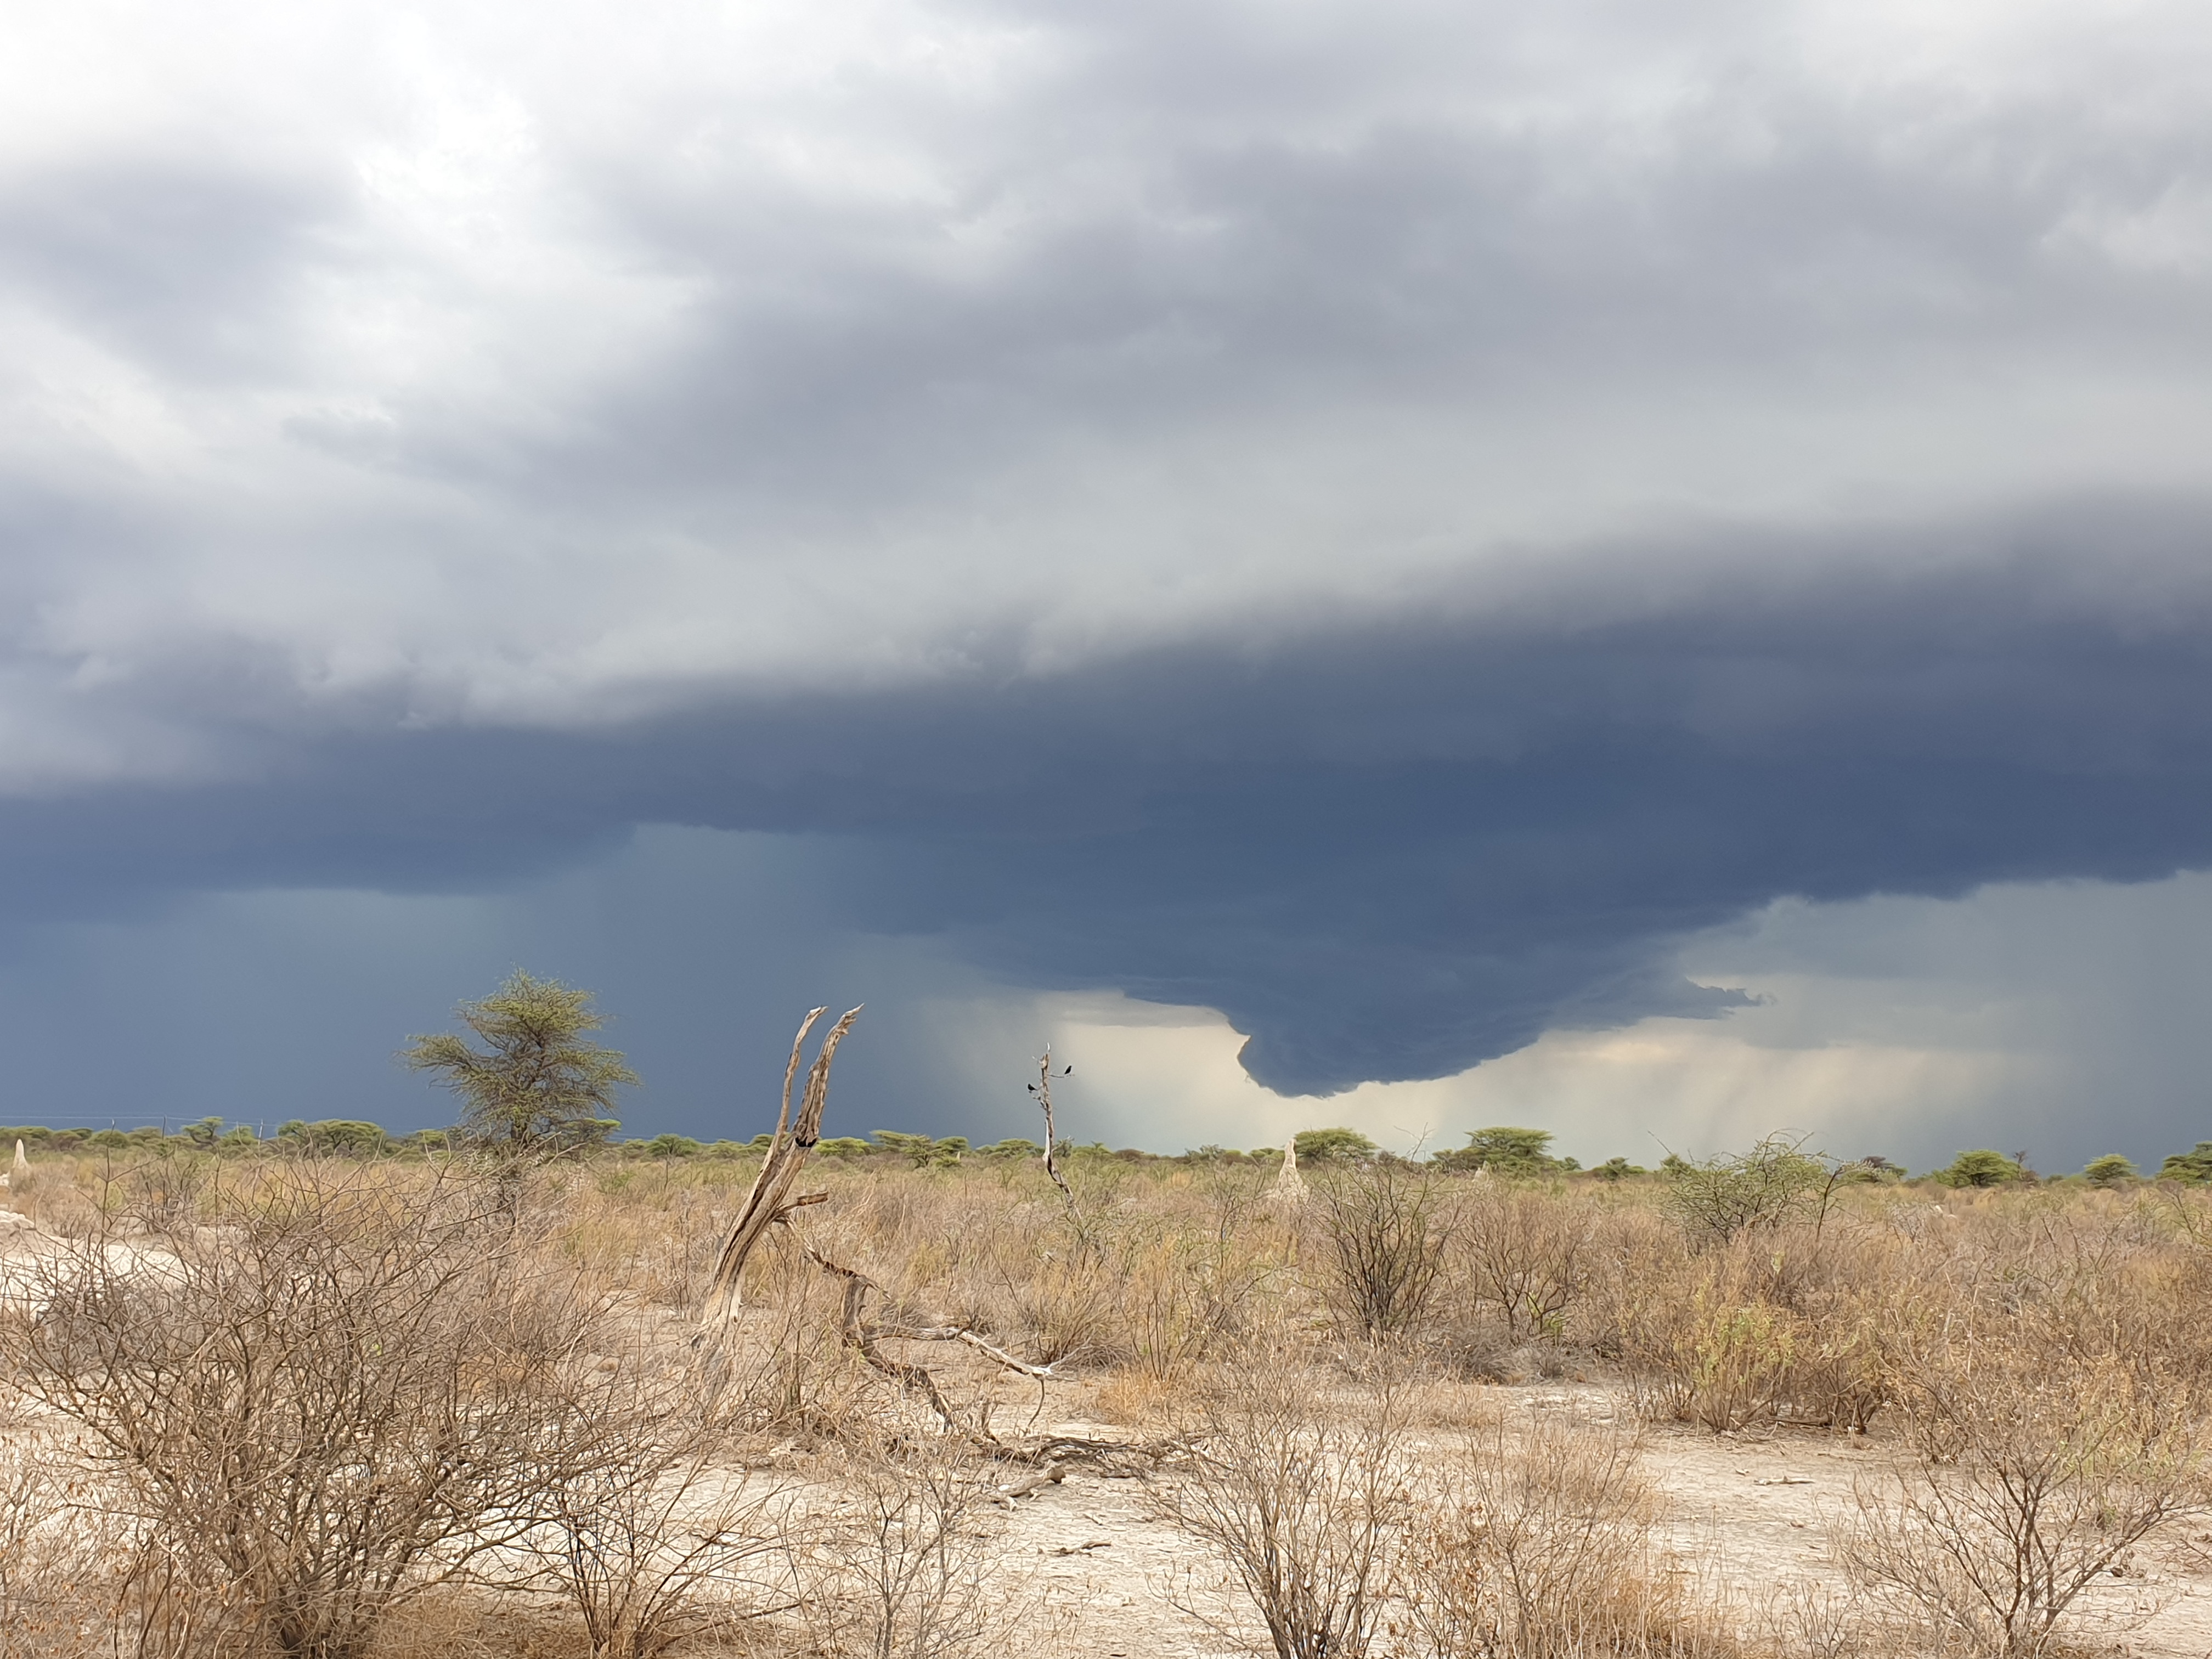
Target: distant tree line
[
  {"x": 531, "y": 1082},
  {"x": 1505, "y": 1152}
]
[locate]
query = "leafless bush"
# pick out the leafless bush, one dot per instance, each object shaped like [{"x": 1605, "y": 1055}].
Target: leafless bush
[
  {"x": 905, "y": 1569},
  {"x": 2039, "y": 1468},
  {"x": 1526, "y": 1254},
  {"x": 316, "y": 1410},
  {"x": 650, "y": 1543},
  {"x": 1305, "y": 1506},
  {"x": 1539, "y": 1549},
  {"x": 1386, "y": 1231}
]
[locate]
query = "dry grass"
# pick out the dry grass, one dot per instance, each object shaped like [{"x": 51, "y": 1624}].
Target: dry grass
[{"x": 1537, "y": 1544}]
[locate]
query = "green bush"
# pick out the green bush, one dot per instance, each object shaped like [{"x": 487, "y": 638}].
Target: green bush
[
  {"x": 923, "y": 1151},
  {"x": 1980, "y": 1168},
  {"x": 2193, "y": 1167},
  {"x": 344, "y": 1137},
  {"x": 1776, "y": 1181},
  {"x": 1333, "y": 1146},
  {"x": 2109, "y": 1170},
  {"x": 1504, "y": 1150}
]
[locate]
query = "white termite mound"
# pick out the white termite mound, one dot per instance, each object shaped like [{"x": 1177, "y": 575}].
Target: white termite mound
[{"x": 1289, "y": 1191}]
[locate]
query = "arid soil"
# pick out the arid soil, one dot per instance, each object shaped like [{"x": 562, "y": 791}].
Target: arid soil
[{"x": 1750, "y": 1517}]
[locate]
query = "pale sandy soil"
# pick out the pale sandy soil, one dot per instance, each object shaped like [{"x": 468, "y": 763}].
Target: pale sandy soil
[{"x": 1750, "y": 1514}]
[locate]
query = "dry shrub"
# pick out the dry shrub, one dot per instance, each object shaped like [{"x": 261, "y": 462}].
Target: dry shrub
[
  {"x": 1065, "y": 1306},
  {"x": 1386, "y": 1226},
  {"x": 339, "y": 1397},
  {"x": 785, "y": 1368},
  {"x": 654, "y": 1544},
  {"x": 1708, "y": 1348},
  {"x": 910, "y": 1564},
  {"x": 1632, "y": 1251},
  {"x": 1782, "y": 1327},
  {"x": 1183, "y": 1298},
  {"x": 2040, "y": 1465},
  {"x": 1304, "y": 1501},
  {"x": 1527, "y": 1254},
  {"x": 1538, "y": 1547}
]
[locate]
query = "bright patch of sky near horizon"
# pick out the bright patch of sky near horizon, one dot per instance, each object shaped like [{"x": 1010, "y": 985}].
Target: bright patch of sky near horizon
[{"x": 1909, "y": 1027}]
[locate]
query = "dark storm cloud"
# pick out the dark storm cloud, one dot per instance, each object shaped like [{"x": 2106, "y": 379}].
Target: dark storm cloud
[{"x": 1383, "y": 854}]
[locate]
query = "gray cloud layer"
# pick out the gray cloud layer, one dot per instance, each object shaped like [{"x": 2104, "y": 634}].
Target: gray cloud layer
[{"x": 1383, "y": 852}]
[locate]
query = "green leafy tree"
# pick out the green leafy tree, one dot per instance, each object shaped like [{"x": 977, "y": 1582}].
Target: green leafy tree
[
  {"x": 343, "y": 1137},
  {"x": 916, "y": 1149},
  {"x": 1503, "y": 1150},
  {"x": 1980, "y": 1168},
  {"x": 923, "y": 1151},
  {"x": 2192, "y": 1167},
  {"x": 1617, "y": 1169},
  {"x": 539, "y": 1081},
  {"x": 1775, "y": 1183},
  {"x": 1333, "y": 1146},
  {"x": 2109, "y": 1170}
]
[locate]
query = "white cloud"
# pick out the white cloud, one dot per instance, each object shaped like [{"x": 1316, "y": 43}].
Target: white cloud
[{"x": 555, "y": 364}]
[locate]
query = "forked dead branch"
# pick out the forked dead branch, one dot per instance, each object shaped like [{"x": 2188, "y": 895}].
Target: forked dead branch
[{"x": 770, "y": 1203}]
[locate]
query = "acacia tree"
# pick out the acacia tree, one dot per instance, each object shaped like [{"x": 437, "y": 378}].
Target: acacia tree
[{"x": 539, "y": 1080}]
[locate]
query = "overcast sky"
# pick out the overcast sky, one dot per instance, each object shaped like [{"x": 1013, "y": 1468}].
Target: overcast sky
[{"x": 1637, "y": 568}]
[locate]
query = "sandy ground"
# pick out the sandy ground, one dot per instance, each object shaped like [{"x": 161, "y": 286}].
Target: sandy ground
[{"x": 1752, "y": 1513}]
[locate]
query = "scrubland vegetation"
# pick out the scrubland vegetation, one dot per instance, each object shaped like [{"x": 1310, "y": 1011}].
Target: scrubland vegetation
[
  {"x": 285, "y": 1400},
  {"x": 302, "y": 1404}
]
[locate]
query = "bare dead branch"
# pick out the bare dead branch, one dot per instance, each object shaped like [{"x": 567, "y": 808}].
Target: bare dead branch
[
  {"x": 767, "y": 1203},
  {"x": 1051, "y": 1134}
]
